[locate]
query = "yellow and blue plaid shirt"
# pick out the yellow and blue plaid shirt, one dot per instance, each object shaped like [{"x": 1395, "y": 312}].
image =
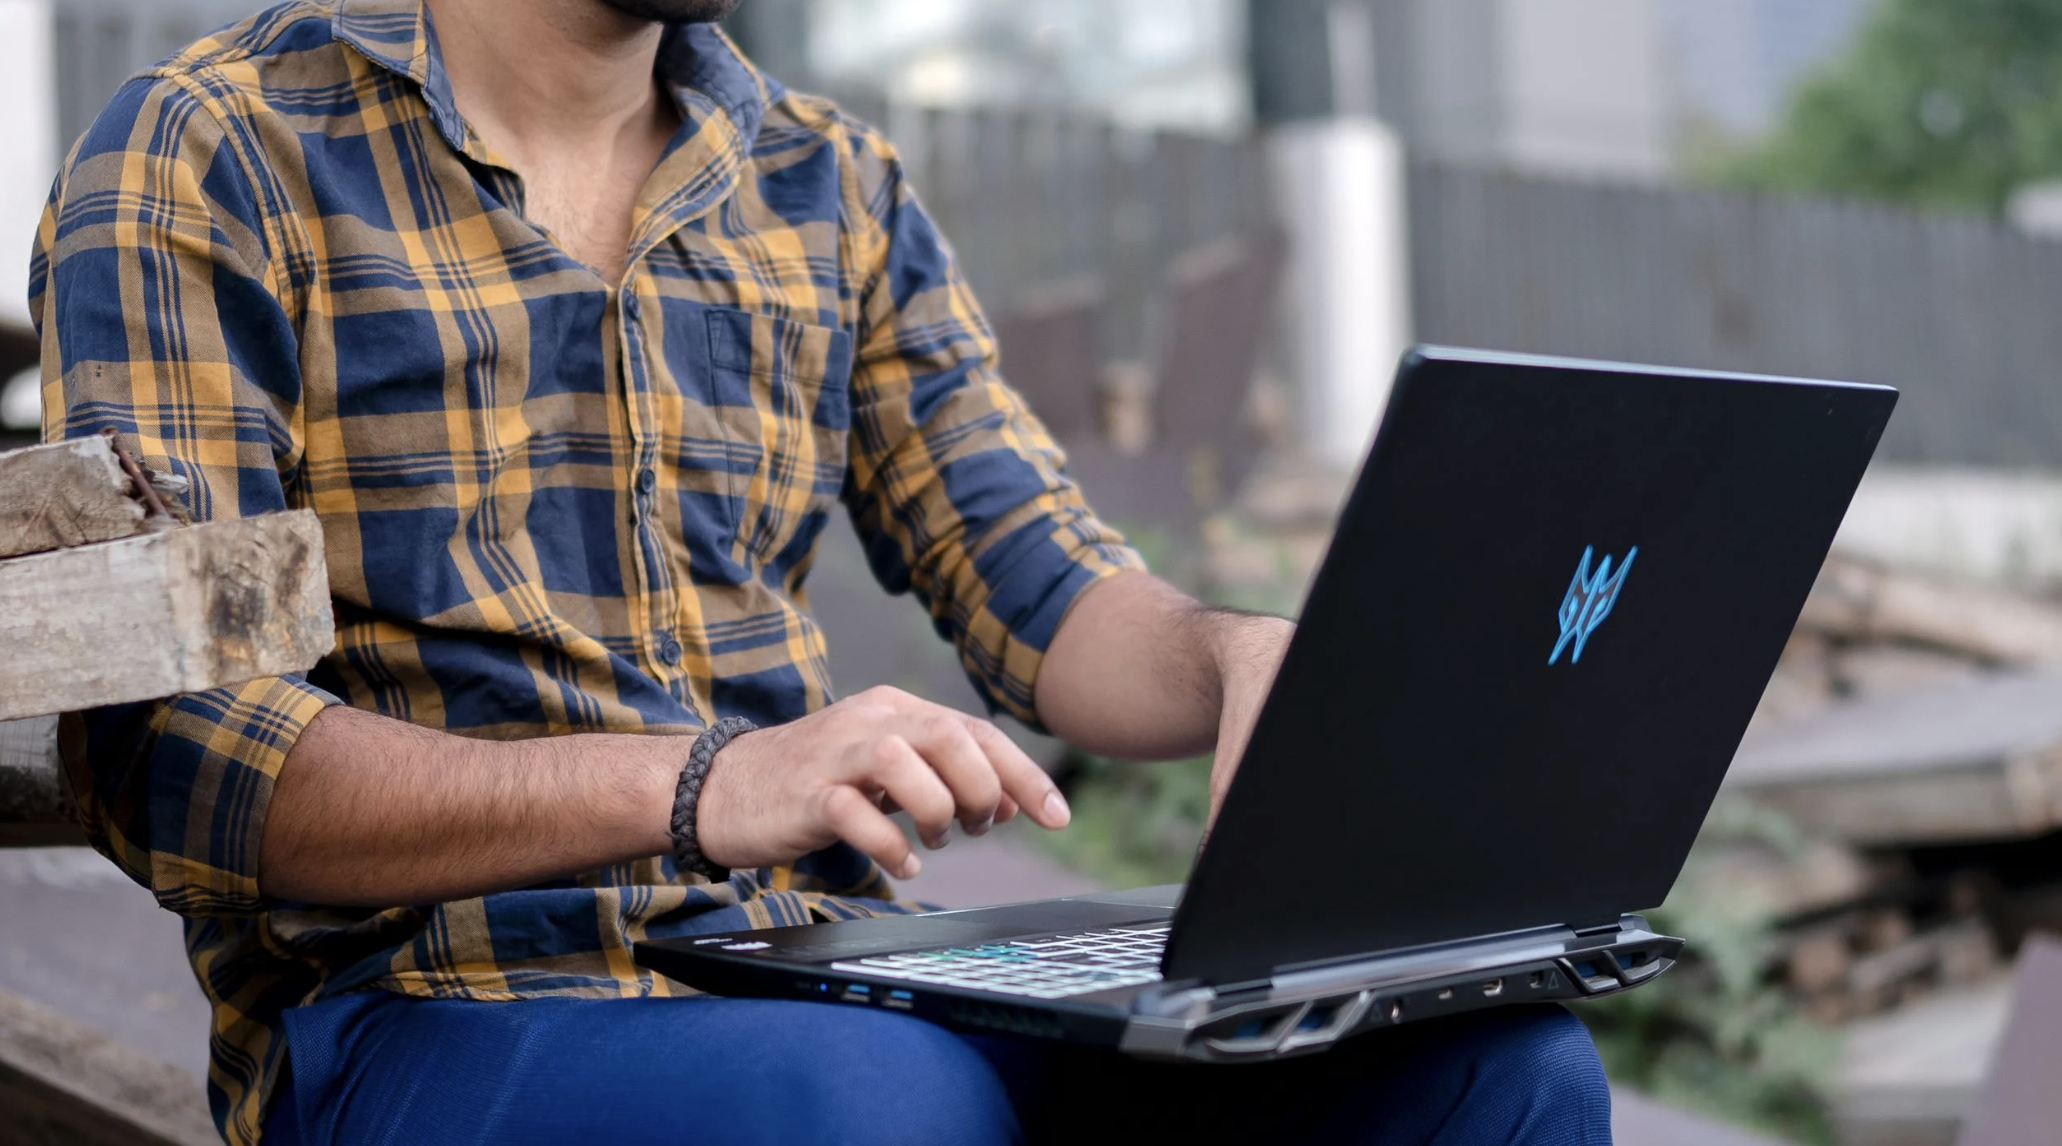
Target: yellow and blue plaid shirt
[{"x": 283, "y": 264}]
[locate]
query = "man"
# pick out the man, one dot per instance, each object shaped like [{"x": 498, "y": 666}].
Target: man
[{"x": 572, "y": 327}]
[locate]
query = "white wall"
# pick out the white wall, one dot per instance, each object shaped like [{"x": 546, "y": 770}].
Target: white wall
[
  {"x": 28, "y": 143},
  {"x": 1976, "y": 524}
]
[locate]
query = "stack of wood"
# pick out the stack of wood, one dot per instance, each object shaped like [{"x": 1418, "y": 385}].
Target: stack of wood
[
  {"x": 109, "y": 594},
  {"x": 1870, "y": 630},
  {"x": 1915, "y": 729}
]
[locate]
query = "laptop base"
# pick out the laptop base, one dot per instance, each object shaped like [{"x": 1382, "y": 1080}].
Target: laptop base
[{"x": 1296, "y": 1011}]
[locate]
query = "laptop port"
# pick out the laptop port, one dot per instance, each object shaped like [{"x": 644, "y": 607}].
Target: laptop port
[
  {"x": 858, "y": 993},
  {"x": 1537, "y": 980},
  {"x": 1395, "y": 1009},
  {"x": 901, "y": 1000},
  {"x": 1445, "y": 994},
  {"x": 1493, "y": 987}
]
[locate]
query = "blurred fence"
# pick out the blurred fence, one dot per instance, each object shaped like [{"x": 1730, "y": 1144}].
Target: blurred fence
[
  {"x": 1963, "y": 314},
  {"x": 1959, "y": 312},
  {"x": 1031, "y": 199},
  {"x": 100, "y": 43}
]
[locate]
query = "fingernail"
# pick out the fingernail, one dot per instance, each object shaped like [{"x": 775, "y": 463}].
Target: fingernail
[
  {"x": 1056, "y": 809},
  {"x": 981, "y": 829},
  {"x": 939, "y": 840},
  {"x": 910, "y": 867}
]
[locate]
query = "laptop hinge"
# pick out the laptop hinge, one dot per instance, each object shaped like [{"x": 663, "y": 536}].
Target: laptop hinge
[{"x": 1586, "y": 930}]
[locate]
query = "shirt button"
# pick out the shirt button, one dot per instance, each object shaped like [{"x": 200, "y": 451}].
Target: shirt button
[
  {"x": 630, "y": 304},
  {"x": 669, "y": 651},
  {"x": 647, "y": 481}
]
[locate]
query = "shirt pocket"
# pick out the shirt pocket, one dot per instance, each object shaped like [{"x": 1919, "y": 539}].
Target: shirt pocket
[{"x": 799, "y": 380}]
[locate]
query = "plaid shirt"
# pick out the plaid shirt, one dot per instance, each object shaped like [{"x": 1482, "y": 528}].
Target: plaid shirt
[{"x": 283, "y": 264}]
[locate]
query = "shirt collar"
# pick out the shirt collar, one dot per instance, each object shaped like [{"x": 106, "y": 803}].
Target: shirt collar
[{"x": 694, "y": 59}]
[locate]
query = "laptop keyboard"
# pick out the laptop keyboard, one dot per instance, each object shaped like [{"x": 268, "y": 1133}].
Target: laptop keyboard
[{"x": 1052, "y": 967}]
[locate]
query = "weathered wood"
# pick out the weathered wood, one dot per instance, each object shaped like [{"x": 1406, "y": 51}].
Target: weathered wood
[
  {"x": 1880, "y": 669},
  {"x": 64, "y": 1085},
  {"x": 1978, "y": 759},
  {"x": 1908, "y": 1077},
  {"x": 2021, "y": 1101},
  {"x": 1960, "y": 952},
  {"x": 64, "y": 494},
  {"x": 186, "y": 609},
  {"x": 35, "y": 808},
  {"x": 1854, "y": 600}
]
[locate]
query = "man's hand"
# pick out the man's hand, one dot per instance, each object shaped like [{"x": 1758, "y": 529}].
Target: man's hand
[
  {"x": 1141, "y": 671},
  {"x": 783, "y": 792},
  {"x": 1250, "y": 653}
]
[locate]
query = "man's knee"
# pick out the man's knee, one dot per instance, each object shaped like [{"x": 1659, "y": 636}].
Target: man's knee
[{"x": 1538, "y": 1070}]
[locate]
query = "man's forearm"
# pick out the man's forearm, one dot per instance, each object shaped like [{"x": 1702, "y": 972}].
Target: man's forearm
[
  {"x": 1140, "y": 670},
  {"x": 375, "y": 812}
]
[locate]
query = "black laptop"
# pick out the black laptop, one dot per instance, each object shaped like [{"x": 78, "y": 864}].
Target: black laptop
[{"x": 1549, "y": 609}]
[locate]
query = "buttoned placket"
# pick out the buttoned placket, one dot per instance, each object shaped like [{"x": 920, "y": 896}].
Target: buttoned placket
[{"x": 662, "y": 647}]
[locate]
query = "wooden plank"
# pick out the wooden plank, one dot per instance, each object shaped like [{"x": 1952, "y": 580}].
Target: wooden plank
[
  {"x": 2021, "y": 1101},
  {"x": 1994, "y": 625},
  {"x": 1910, "y": 1076},
  {"x": 1979, "y": 759},
  {"x": 179, "y": 611},
  {"x": 64, "y": 494},
  {"x": 1637, "y": 1120},
  {"x": 64, "y": 1085}
]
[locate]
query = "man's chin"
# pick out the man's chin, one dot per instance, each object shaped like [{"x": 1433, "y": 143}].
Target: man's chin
[{"x": 675, "y": 11}]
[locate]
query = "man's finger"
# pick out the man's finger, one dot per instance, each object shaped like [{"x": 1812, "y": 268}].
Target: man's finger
[
  {"x": 914, "y": 786},
  {"x": 857, "y": 822},
  {"x": 1022, "y": 779},
  {"x": 943, "y": 739}
]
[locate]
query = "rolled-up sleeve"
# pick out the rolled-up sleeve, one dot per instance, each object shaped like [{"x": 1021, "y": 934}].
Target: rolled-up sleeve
[
  {"x": 162, "y": 314},
  {"x": 956, "y": 489}
]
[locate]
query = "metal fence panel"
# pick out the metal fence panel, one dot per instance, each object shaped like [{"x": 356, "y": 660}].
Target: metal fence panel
[{"x": 1959, "y": 312}]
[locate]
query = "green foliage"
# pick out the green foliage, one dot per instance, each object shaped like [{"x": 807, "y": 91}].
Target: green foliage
[
  {"x": 1938, "y": 102},
  {"x": 1135, "y": 825},
  {"x": 1714, "y": 1034}
]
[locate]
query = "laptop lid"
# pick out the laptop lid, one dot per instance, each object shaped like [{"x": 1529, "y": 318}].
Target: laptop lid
[{"x": 1549, "y": 609}]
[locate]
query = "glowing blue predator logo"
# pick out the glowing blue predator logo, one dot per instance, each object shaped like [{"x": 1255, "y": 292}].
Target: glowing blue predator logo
[{"x": 1589, "y": 600}]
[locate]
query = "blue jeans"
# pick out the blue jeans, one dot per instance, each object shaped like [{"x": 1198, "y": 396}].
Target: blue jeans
[{"x": 382, "y": 1069}]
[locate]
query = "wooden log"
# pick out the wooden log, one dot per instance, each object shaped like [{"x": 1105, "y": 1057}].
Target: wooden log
[
  {"x": 64, "y": 1085},
  {"x": 1857, "y": 601},
  {"x": 65, "y": 494},
  {"x": 179, "y": 611},
  {"x": 1961, "y": 952},
  {"x": 1975, "y": 760},
  {"x": 1877, "y": 669}
]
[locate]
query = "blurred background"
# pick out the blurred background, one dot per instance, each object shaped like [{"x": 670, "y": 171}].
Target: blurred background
[{"x": 1205, "y": 229}]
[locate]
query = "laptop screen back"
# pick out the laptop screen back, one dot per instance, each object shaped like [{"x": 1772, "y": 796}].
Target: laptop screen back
[{"x": 1548, "y": 612}]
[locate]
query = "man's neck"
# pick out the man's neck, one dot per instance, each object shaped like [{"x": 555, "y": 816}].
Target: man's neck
[{"x": 535, "y": 75}]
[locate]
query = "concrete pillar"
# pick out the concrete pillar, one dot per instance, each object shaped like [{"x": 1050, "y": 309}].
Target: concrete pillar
[{"x": 1339, "y": 181}]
